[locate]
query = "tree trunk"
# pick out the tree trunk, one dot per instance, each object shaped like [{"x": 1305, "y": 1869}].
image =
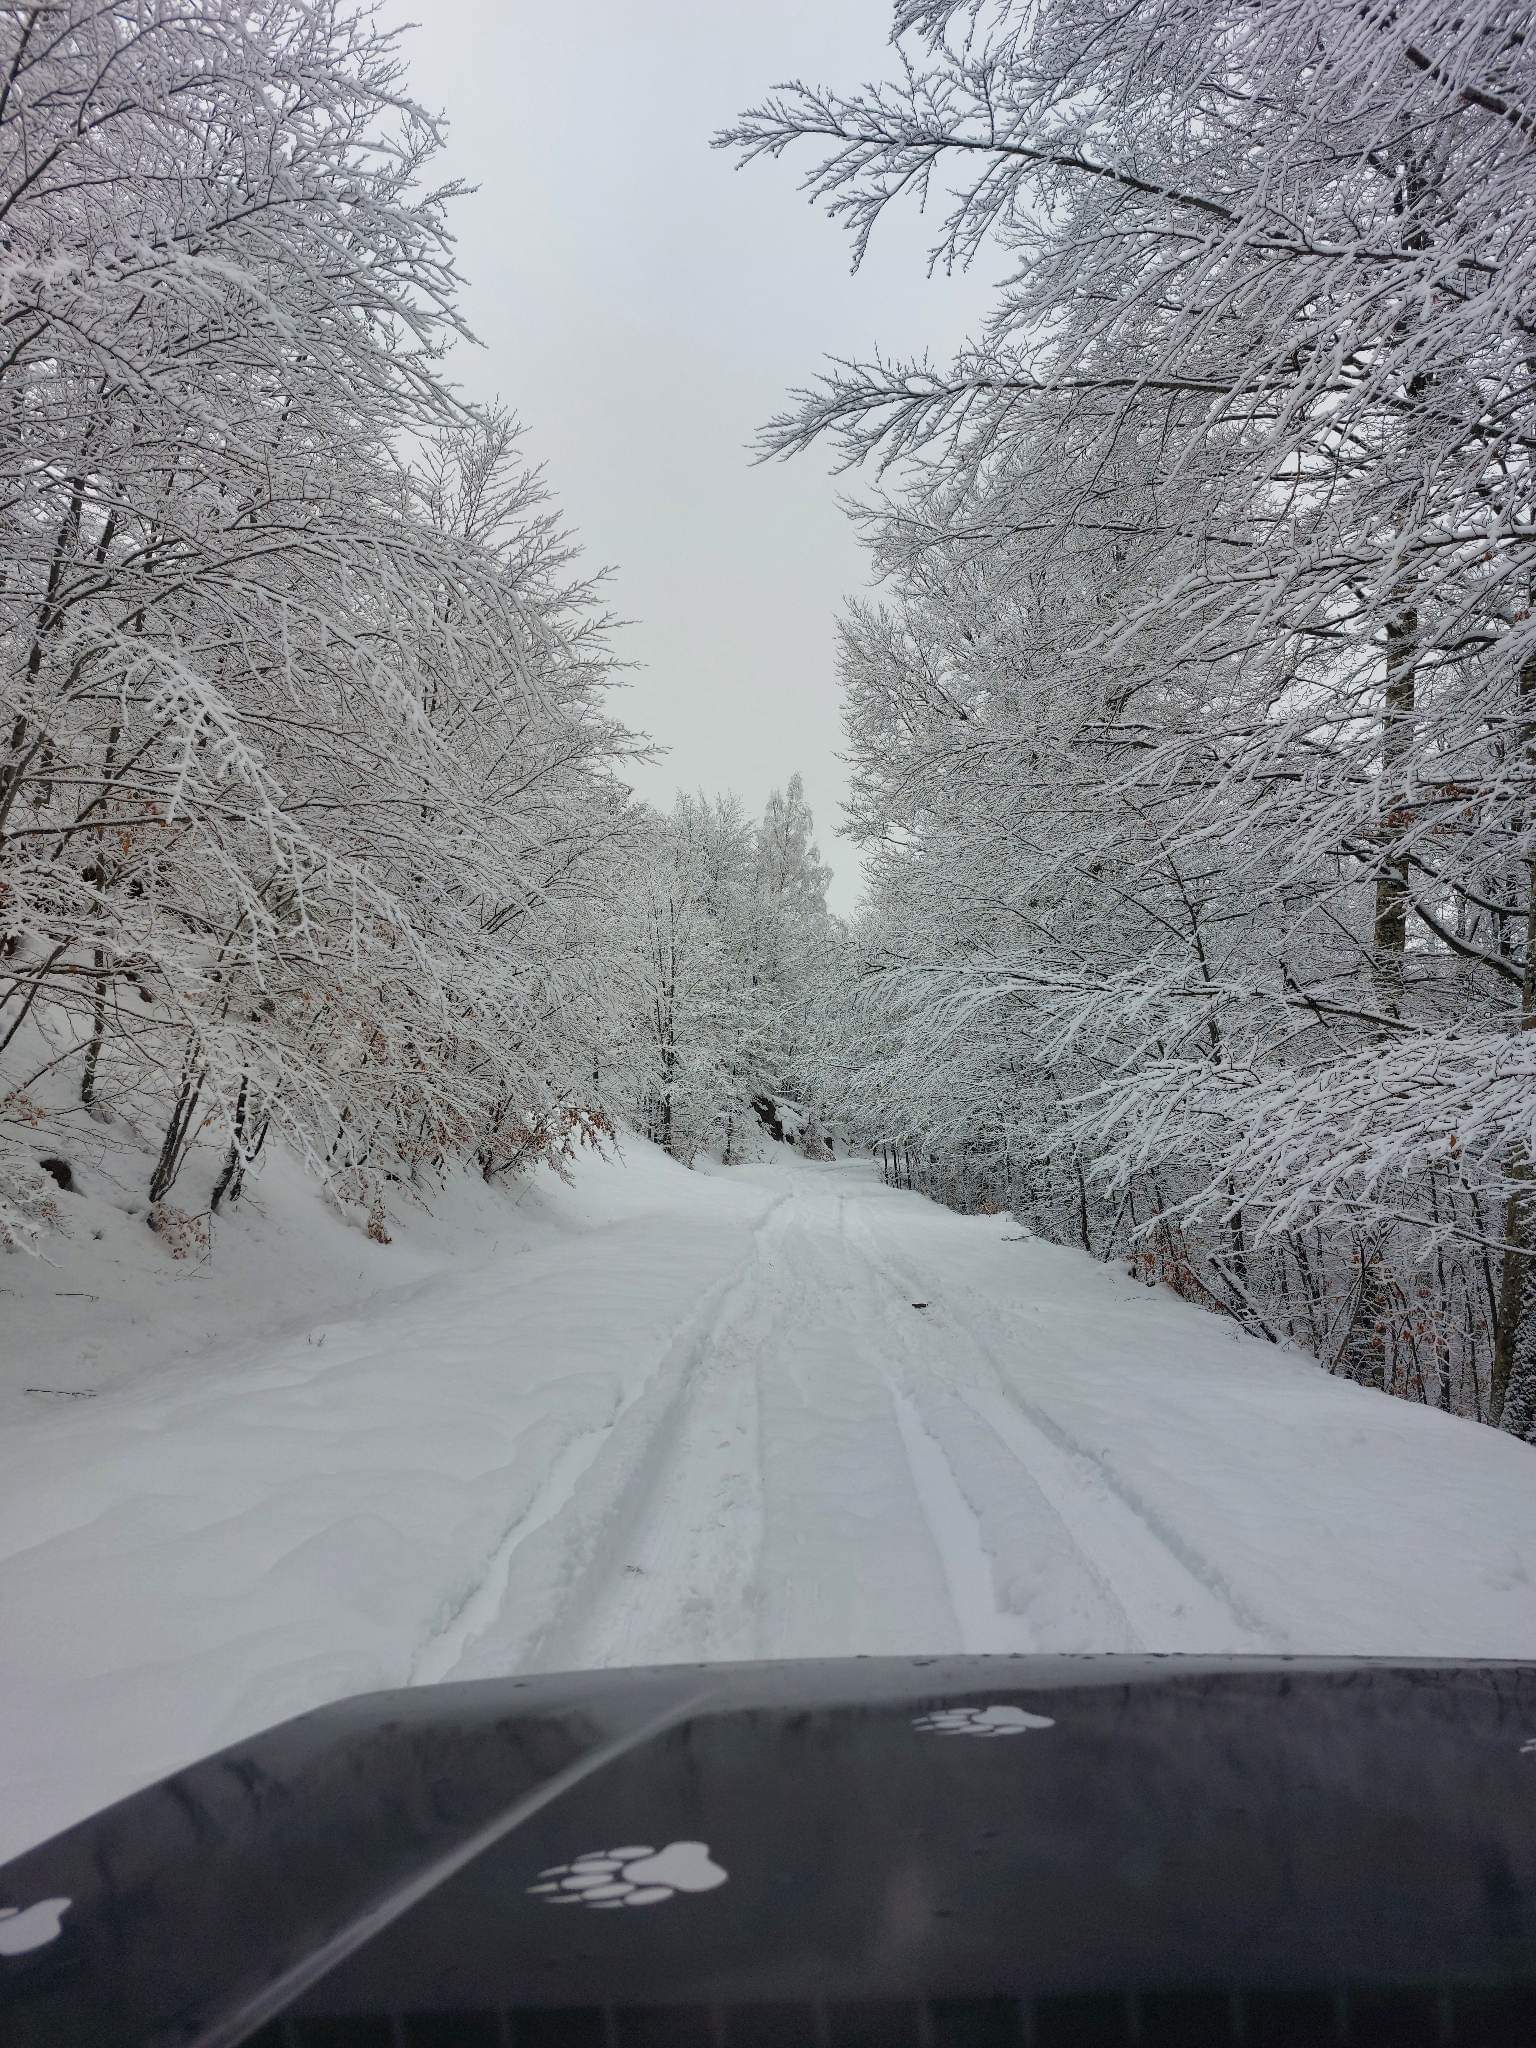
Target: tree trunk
[
  {"x": 236, "y": 1159},
  {"x": 98, "y": 1031},
  {"x": 1512, "y": 1392},
  {"x": 177, "y": 1132},
  {"x": 1389, "y": 931},
  {"x": 102, "y": 878},
  {"x": 1512, "y": 1397},
  {"x": 1363, "y": 1354}
]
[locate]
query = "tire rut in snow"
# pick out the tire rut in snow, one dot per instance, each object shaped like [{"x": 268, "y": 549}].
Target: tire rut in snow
[
  {"x": 850, "y": 1563},
  {"x": 969, "y": 1566},
  {"x": 1018, "y": 1568},
  {"x": 676, "y": 1577},
  {"x": 444, "y": 1650},
  {"x": 1175, "y": 1600},
  {"x": 562, "y": 1573}
]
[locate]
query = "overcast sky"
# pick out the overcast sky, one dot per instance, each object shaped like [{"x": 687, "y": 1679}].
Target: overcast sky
[{"x": 644, "y": 307}]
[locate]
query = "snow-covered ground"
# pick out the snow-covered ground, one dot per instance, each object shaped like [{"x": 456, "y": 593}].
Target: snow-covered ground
[{"x": 773, "y": 1411}]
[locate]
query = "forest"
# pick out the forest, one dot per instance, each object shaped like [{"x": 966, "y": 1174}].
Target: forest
[{"x": 1190, "y": 712}]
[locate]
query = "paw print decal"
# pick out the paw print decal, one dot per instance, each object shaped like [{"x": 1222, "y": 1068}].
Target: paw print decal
[
  {"x": 980, "y": 1721},
  {"x": 23, "y": 1928},
  {"x": 630, "y": 1877}
]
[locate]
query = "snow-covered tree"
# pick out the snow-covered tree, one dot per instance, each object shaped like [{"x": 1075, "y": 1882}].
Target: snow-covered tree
[
  {"x": 1195, "y": 730},
  {"x": 792, "y": 941},
  {"x": 304, "y": 768},
  {"x": 728, "y": 947}
]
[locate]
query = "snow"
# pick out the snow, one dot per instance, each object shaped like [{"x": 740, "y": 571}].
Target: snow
[{"x": 660, "y": 1415}]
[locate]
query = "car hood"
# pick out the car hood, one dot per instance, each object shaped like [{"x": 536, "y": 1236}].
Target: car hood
[{"x": 1078, "y": 1849}]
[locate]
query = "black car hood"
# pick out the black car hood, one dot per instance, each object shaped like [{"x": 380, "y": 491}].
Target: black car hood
[{"x": 1058, "y": 1851}]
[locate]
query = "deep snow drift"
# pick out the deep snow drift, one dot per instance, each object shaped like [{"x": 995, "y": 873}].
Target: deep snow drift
[{"x": 777, "y": 1411}]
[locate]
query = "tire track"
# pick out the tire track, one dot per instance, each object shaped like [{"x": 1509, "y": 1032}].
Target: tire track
[
  {"x": 676, "y": 1576},
  {"x": 556, "y": 1569},
  {"x": 444, "y": 1649},
  {"x": 984, "y": 1625},
  {"x": 1038, "y": 1581},
  {"x": 852, "y": 1564},
  {"x": 1180, "y": 1599}
]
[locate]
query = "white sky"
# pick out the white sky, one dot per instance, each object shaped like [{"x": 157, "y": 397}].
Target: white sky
[{"x": 644, "y": 307}]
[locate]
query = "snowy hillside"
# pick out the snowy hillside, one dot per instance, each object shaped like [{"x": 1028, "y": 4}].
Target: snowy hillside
[{"x": 776, "y": 1410}]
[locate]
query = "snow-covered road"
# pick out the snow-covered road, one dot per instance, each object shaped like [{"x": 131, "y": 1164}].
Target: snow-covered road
[
  {"x": 776, "y": 1411},
  {"x": 832, "y": 1459}
]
